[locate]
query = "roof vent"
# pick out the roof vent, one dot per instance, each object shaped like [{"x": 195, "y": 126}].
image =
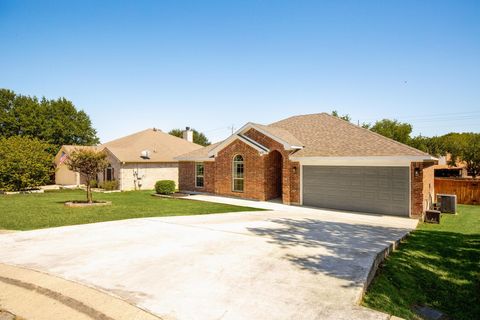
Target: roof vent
[{"x": 145, "y": 154}]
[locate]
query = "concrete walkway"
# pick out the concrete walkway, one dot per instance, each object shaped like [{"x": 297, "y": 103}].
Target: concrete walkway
[
  {"x": 32, "y": 295},
  {"x": 290, "y": 263}
]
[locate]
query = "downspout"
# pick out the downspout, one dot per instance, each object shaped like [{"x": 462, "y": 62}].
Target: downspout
[{"x": 121, "y": 175}]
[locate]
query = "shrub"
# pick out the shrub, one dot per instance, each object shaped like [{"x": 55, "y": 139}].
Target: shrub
[
  {"x": 165, "y": 187},
  {"x": 24, "y": 163},
  {"x": 109, "y": 185}
]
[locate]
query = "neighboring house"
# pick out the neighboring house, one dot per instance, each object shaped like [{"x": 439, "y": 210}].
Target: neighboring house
[
  {"x": 136, "y": 161},
  {"x": 444, "y": 170},
  {"x": 314, "y": 160},
  {"x": 63, "y": 175}
]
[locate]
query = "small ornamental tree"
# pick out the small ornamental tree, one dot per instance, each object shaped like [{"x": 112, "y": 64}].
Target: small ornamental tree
[{"x": 88, "y": 163}]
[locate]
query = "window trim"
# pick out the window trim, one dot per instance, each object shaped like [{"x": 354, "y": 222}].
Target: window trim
[
  {"x": 234, "y": 171},
  {"x": 197, "y": 176},
  {"x": 112, "y": 173}
]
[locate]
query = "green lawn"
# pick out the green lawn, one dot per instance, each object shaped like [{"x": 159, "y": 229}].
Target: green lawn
[
  {"x": 35, "y": 211},
  {"x": 437, "y": 266}
]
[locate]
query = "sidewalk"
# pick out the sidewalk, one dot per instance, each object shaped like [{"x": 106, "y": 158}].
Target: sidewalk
[{"x": 34, "y": 295}]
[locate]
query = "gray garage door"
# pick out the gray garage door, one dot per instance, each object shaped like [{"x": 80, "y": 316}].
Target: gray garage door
[{"x": 382, "y": 190}]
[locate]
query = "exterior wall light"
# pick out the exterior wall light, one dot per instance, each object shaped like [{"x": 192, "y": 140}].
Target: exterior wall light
[{"x": 417, "y": 172}]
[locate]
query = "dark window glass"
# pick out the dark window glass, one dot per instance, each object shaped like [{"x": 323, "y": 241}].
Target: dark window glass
[{"x": 199, "y": 175}]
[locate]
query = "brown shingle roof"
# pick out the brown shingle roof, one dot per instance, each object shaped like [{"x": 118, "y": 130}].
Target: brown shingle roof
[
  {"x": 283, "y": 134},
  {"x": 201, "y": 153},
  {"x": 70, "y": 148},
  {"x": 162, "y": 146},
  {"x": 324, "y": 135}
]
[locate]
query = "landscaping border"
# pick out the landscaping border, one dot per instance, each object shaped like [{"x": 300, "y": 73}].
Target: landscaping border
[{"x": 379, "y": 259}]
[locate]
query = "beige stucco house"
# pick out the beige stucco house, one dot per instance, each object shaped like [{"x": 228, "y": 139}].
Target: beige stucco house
[
  {"x": 136, "y": 161},
  {"x": 64, "y": 176}
]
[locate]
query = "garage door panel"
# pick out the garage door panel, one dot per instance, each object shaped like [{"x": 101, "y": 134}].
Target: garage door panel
[{"x": 369, "y": 189}]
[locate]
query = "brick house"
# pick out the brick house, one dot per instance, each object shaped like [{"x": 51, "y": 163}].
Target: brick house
[{"x": 314, "y": 160}]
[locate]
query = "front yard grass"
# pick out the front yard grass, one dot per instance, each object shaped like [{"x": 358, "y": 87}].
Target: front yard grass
[
  {"x": 436, "y": 266},
  {"x": 35, "y": 211}
]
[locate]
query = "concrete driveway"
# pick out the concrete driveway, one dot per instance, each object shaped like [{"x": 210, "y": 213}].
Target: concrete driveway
[{"x": 290, "y": 263}]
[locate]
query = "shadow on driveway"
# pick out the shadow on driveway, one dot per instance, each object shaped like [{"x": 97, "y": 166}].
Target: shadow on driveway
[{"x": 337, "y": 249}]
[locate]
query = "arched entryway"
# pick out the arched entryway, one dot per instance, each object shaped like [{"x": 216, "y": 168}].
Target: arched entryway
[{"x": 273, "y": 178}]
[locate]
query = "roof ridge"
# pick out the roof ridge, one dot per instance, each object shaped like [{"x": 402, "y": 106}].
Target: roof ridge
[
  {"x": 299, "y": 115},
  {"x": 165, "y": 134},
  {"x": 129, "y": 135},
  {"x": 377, "y": 134}
]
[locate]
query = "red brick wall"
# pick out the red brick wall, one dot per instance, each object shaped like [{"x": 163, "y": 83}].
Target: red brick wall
[
  {"x": 253, "y": 164},
  {"x": 261, "y": 172},
  {"x": 294, "y": 182},
  {"x": 273, "y": 175},
  {"x": 209, "y": 175},
  {"x": 290, "y": 181},
  {"x": 422, "y": 187},
  {"x": 186, "y": 176}
]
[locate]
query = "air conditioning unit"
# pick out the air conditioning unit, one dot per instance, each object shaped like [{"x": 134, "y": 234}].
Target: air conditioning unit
[{"x": 447, "y": 203}]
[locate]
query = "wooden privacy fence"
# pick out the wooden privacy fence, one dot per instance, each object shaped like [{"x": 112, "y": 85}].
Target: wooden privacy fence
[{"x": 467, "y": 190}]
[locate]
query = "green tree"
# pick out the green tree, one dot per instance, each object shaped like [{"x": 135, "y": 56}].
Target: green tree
[
  {"x": 88, "y": 163},
  {"x": 56, "y": 122},
  {"x": 393, "y": 129},
  {"x": 464, "y": 147},
  {"x": 198, "y": 137},
  {"x": 345, "y": 117},
  {"x": 431, "y": 145},
  {"x": 25, "y": 163}
]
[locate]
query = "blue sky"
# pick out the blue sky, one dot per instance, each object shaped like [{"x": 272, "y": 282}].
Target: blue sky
[{"x": 213, "y": 64}]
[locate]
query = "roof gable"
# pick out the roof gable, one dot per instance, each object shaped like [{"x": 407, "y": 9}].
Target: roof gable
[{"x": 285, "y": 138}]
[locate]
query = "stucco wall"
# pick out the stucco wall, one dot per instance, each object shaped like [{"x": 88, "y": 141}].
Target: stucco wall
[
  {"x": 150, "y": 173},
  {"x": 428, "y": 186},
  {"x": 64, "y": 176},
  {"x": 116, "y": 165}
]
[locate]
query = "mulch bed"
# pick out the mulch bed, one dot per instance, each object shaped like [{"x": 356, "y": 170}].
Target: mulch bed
[
  {"x": 84, "y": 204},
  {"x": 174, "y": 195}
]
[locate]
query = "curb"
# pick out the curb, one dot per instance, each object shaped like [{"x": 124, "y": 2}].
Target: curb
[
  {"x": 51, "y": 297},
  {"x": 379, "y": 258}
]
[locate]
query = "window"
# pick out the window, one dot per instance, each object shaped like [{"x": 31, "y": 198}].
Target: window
[
  {"x": 238, "y": 173},
  {"x": 199, "y": 171},
  {"x": 109, "y": 173}
]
